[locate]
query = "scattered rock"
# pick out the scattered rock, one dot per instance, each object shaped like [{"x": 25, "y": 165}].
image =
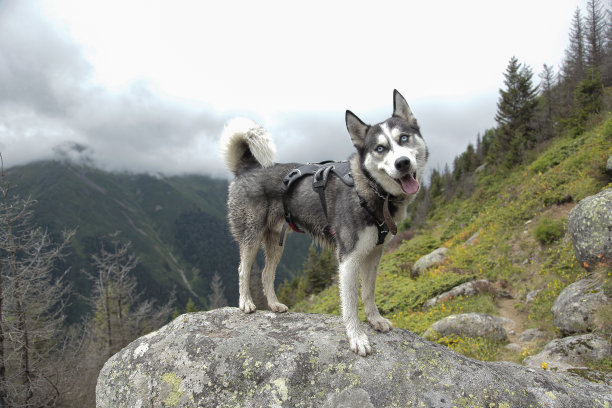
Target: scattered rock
[
  {"x": 469, "y": 325},
  {"x": 531, "y": 296},
  {"x": 570, "y": 352},
  {"x": 430, "y": 260},
  {"x": 590, "y": 227},
  {"x": 531, "y": 335},
  {"x": 466, "y": 289},
  {"x": 471, "y": 240},
  {"x": 609, "y": 165},
  {"x": 225, "y": 358},
  {"x": 503, "y": 293},
  {"x": 513, "y": 347},
  {"x": 507, "y": 324},
  {"x": 480, "y": 168},
  {"x": 574, "y": 309}
]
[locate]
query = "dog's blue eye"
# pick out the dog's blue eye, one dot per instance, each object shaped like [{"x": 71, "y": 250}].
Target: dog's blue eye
[
  {"x": 404, "y": 138},
  {"x": 380, "y": 149}
]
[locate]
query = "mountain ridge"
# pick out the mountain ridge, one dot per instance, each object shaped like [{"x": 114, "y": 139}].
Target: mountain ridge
[{"x": 176, "y": 225}]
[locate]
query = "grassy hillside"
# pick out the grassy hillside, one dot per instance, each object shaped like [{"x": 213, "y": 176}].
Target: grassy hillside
[
  {"x": 176, "y": 225},
  {"x": 522, "y": 244}
]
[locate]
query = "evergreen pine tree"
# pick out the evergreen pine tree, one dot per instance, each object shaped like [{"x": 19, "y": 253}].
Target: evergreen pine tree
[
  {"x": 574, "y": 64},
  {"x": 190, "y": 306},
  {"x": 595, "y": 31},
  {"x": 547, "y": 85},
  {"x": 588, "y": 100},
  {"x": 607, "y": 50},
  {"x": 515, "y": 113}
]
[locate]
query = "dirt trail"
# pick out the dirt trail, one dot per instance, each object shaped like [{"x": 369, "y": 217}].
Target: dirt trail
[{"x": 507, "y": 310}]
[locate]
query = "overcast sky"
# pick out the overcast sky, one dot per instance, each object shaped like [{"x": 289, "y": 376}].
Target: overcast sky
[{"x": 146, "y": 86}]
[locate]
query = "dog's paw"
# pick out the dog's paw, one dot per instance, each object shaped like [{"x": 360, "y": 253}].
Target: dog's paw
[
  {"x": 380, "y": 323},
  {"x": 278, "y": 308},
  {"x": 247, "y": 305},
  {"x": 360, "y": 344}
]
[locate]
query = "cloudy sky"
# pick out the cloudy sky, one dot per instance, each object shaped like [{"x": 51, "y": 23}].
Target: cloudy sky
[{"x": 146, "y": 86}]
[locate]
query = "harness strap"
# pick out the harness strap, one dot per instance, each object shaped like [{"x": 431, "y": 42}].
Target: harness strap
[
  {"x": 319, "y": 182},
  {"x": 320, "y": 173},
  {"x": 382, "y": 227}
]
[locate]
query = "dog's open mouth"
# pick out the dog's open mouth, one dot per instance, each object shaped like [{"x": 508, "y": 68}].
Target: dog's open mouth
[{"x": 409, "y": 183}]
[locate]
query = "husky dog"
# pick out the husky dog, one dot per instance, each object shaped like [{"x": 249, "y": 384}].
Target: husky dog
[{"x": 387, "y": 170}]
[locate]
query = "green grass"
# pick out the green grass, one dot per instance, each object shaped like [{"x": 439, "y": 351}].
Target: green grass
[{"x": 549, "y": 230}]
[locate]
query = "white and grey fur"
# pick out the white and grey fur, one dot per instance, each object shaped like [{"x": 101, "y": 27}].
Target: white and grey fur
[{"x": 389, "y": 155}]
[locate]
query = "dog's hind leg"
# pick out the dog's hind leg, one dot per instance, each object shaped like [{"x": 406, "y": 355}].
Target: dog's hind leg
[
  {"x": 368, "y": 283},
  {"x": 248, "y": 251},
  {"x": 273, "y": 252}
]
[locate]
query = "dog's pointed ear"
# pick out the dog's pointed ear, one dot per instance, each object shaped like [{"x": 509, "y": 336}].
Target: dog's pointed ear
[
  {"x": 357, "y": 129},
  {"x": 401, "y": 108}
]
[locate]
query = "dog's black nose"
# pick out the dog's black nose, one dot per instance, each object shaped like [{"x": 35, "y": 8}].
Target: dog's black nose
[{"x": 402, "y": 164}]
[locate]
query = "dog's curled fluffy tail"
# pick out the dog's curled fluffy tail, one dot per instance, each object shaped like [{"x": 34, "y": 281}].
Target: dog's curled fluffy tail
[{"x": 244, "y": 144}]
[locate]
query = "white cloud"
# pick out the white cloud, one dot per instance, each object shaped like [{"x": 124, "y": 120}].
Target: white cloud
[{"x": 147, "y": 85}]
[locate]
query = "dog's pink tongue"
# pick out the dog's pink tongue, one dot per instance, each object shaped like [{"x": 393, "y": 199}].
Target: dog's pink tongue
[{"x": 409, "y": 184}]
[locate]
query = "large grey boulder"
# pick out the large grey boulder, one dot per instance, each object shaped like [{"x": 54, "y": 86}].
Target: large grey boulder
[
  {"x": 590, "y": 227},
  {"x": 469, "y": 325},
  {"x": 575, "y": 307},
  {"x": 466, "y": 289},
  {"x": 429, "y": 260},
  {"x": 225, "y": 358},
  {"x": 570, "y": 352}
]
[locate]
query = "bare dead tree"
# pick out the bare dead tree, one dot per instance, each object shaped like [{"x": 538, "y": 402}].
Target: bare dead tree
[
  {"x": 31, "y": 304},
  {"x": 120, "y": 313},
  {"x": 114, "y": 289},
  {"x": 216, "y": 298}
]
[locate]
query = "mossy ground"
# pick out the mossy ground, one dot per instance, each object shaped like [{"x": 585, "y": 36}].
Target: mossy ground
[{"x": 504, "y": 209}]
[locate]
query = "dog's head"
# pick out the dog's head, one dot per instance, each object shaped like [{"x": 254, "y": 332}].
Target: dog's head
[{"x": 393, "y": 152}]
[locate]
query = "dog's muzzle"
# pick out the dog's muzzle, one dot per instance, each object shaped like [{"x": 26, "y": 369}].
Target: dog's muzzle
[{"x": 408, "y": 181}]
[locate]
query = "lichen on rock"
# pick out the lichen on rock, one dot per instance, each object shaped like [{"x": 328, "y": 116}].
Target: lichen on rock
[
  {"x": 590, "y": 227},
  {"x": 225, "y": 358}
]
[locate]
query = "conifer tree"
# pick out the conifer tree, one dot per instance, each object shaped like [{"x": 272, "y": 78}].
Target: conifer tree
[
  {"x": 190, "y": 306},
  {"x": 515, "y": 113},
  {"x": 547, "y": 86},
  {"x": 595, "y": 32},
  {"x": 607, "y": 63},
  {"x": 574, "y": 64}
]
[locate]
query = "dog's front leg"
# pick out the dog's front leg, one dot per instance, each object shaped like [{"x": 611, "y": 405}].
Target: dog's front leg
[
  {"x": 368, "y": 284},
  {"x": 349, "y": 288}
]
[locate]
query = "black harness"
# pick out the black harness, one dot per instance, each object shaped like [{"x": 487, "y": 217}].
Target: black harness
[{"x": 320, "y": 174}]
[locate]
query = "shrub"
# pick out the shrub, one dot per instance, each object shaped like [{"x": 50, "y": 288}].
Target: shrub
[{"x": 549, "y": 230}]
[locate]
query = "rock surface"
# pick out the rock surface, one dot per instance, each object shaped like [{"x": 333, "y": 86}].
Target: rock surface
[
  {"x": 466, "y": 289},
  {"x": 531, "y": 296},
  {"x": 429, "y": 260},
  {"x": 225, "y": 358},
  {"x": 590, "y": 227},
  {"x": 609, "y": 165},
  {"x": 570, "y": 352},
  {"x": 532, "y": 335},
  {"x": 472, "y": 240},
  {"x": 469, "y": 325},
  {"x": 575, "y": 307}
]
